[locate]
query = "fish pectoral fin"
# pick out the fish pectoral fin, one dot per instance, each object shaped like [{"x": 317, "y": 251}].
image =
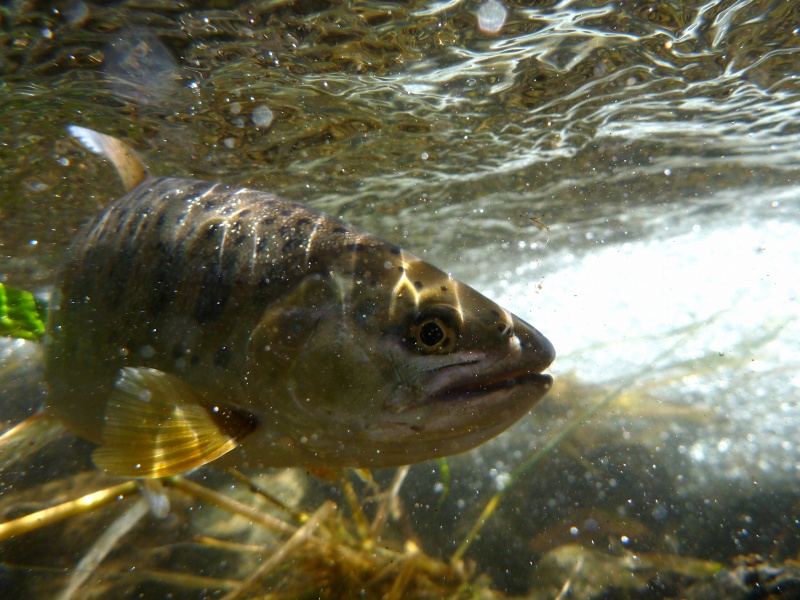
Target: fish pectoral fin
[
  {"x": 156, "y": 425},
  {"x": 289, "y": 324}
]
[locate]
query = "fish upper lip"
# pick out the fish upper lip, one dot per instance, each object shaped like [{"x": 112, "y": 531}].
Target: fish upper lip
[{"x": 494, "y": 382}]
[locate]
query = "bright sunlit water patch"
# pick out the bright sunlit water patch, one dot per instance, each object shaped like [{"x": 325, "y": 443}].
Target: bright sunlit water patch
[{"x": 712, "y": 307}]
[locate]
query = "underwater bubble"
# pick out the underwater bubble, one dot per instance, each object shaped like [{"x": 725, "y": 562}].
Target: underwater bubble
[
  {"x": 492, "y": 16},
  {"x": 139, "y": 67},
  {"x": 75, "y": 13},
  {"x": 262, "y": 116}
]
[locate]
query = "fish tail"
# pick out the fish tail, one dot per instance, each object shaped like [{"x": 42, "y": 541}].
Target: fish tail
[
  {"x": 130, "y": 167},
  {"x": 28, "y": 437}
]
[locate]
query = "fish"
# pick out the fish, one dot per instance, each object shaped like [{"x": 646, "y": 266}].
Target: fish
[{"x": 197, "y": 322}]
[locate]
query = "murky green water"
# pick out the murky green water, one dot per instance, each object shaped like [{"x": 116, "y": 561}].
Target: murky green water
[{"x": 657, "y": 141}]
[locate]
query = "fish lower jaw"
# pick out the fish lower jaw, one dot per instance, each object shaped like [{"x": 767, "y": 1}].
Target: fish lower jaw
[{"x": 486, "y": 385}]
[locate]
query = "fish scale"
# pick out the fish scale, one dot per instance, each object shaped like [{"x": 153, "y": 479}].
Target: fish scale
[{"x": 197, "y": 322}]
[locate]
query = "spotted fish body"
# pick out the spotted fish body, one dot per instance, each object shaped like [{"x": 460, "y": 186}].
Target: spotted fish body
[{"x": 197, "y": 321}]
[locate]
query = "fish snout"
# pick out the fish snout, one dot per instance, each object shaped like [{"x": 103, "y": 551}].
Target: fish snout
[{"x": 534, "y": 346}]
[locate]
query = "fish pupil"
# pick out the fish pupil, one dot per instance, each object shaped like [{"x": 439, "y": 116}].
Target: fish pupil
[{"x": 430, "y": 334}]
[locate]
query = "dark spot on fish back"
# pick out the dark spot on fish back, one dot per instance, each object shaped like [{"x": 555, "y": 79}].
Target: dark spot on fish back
[
  {"x": 222, "y": 357},
  {"x": 212, "y": 295},
  {"x": 394, "y": 250},
  {"x": 444, "y": 288},
  {"x": 162, "y": 283},
  {"x": 302, "y": 222},
  {"x": 240, "y": 239},
  {"x": 356, "y": 247},
  {"x": 291, "y": 244},
  {"x": 262, "y": 292},
  {"x": 287, "y": 211},
  {"x": 212, "y": 229},
  {"x": 418, "y": 285},
  {"x": 210, "y": 205},
  {"x": 495, "y": 313},
  {"x": 340, "y": 230}
]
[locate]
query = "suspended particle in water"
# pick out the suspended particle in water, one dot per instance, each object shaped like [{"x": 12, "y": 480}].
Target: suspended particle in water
[
  {"x": 540, "y": 224},
  {"x": 262, "y": 116},
  {"x": 492, "y": 16}
]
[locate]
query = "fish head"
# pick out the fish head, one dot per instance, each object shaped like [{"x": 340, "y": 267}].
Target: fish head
[{"x": 395, "y": 366}]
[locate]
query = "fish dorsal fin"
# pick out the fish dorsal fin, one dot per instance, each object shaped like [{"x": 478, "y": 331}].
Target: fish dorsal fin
[
  {"x": 156, "y": 424},
  {"x": 130, "y": 167}
]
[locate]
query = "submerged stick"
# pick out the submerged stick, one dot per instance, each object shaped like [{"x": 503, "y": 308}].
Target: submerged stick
[
  {"x": 104, "y": 544},
  {"x": 389, "y": 498},
  {"x": 299, "y": 537},
  {"x": 82, "y": 505},
  {"x": 30, "y": 436},
  {"x": 231, "y": 505}
]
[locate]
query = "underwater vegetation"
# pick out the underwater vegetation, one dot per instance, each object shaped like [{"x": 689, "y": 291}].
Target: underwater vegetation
[{"x": 287, "y": 533}]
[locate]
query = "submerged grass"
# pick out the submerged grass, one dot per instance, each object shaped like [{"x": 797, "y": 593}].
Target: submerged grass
[
  {"x": 245, "y": 536},
  {"x": 22, "y": 315}
]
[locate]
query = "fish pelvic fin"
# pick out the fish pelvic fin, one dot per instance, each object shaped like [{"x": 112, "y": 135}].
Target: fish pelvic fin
[
  {"x": 156, "y": 425},
  {"x": 130, "y": 167}
]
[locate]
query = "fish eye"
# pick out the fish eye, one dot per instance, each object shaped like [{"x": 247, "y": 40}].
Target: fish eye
[{"x": 433, "y": 334}]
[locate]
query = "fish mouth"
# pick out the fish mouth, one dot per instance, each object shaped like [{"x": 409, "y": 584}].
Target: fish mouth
[{"x": 482, "y": 386}]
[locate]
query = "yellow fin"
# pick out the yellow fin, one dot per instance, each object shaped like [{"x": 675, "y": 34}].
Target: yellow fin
[
  {"x": 130, "y": 167},
  {"x": 156, "y": 425}
]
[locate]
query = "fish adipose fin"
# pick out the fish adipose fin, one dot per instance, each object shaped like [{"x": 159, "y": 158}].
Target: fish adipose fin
[
  {"x": 157, "y": 425},
  {"x": 130, "y": 167}
]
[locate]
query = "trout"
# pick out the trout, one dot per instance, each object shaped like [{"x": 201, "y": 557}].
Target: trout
[{"x": 197, "y": 321}]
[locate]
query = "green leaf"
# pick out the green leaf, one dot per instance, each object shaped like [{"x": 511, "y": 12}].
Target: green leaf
[{"x": 21, "y": 314}]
